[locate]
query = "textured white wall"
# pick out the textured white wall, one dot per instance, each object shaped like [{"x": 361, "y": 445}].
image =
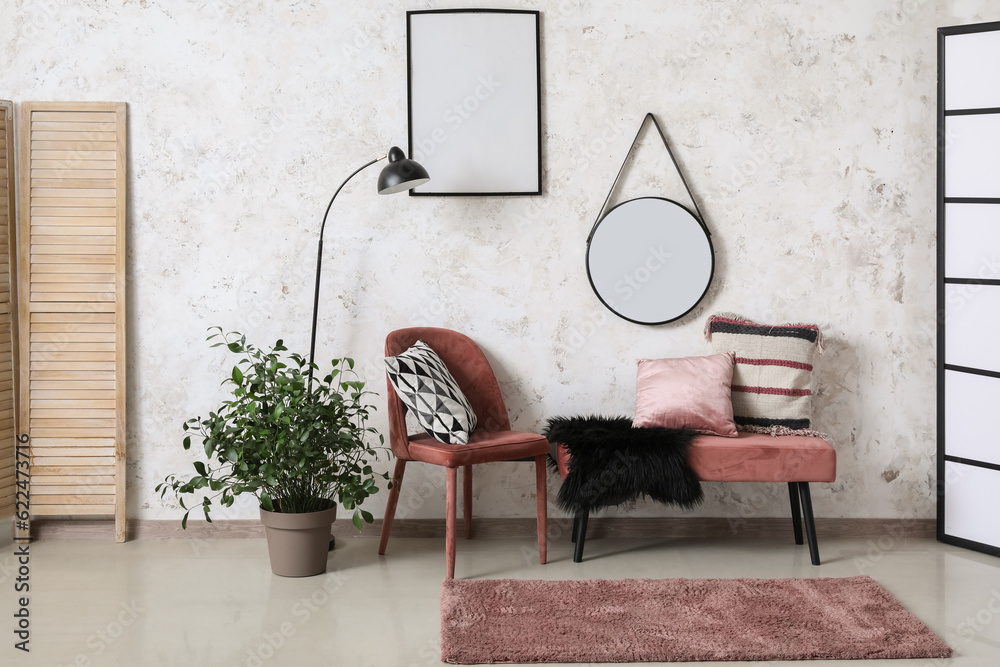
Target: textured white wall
[{"x": 806, "y": 129}]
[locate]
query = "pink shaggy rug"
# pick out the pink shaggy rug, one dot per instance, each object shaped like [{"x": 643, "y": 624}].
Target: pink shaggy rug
[{"x": 677, "y": 620}]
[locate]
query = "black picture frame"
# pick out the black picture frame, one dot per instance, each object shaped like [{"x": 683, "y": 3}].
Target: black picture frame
[{"x": 474, "y": 109}]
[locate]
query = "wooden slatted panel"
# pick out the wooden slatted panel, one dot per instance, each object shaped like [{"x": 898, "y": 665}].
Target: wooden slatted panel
[
  {"x": 8, "y": 310},
  {"x": 72, "y": 341}
]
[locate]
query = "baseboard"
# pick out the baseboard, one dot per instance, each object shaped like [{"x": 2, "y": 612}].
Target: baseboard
[{"x": 623, "y": 527}]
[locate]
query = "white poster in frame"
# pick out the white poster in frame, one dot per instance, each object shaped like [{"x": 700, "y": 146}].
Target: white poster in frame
[{"x": 474, "y": 101}]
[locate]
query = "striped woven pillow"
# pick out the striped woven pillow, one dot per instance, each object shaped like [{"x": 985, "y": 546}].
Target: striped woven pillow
[{"x": 773, "y": 373}]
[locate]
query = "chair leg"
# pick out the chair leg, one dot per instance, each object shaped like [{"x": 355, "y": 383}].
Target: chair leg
[
  {"x": 451, "y": 509},
  {"x": 543, "y": 510},
  {"x": 467, "y": 499},
  {"x": 807, "y": 510},
  {"x": 581, "y": 535},
  {"x": 576, "y": 528},
  {"x": 390, "y": 508},
  {"x": 793, "y": 494}
]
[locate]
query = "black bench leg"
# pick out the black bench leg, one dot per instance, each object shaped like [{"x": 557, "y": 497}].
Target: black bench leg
[
  {"x": 576, "y": 527},
  {"x": 581, "y": 534},
  {"x": 807, "y": 510},
  {"x": 793, "y": 494}
]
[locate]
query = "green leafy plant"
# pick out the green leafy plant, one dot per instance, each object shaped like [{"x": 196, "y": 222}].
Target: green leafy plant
[{"x": 296, "y": 448}]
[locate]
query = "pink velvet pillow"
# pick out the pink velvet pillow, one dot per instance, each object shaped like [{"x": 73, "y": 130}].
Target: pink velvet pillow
[{"x": 693, "y": 392}]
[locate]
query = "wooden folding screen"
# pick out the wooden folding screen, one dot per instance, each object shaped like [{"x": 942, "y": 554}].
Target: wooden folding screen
[
  {"x": 8, "y": 313},
  {"x": 968, "y": 285},
  {"x": 72, "y": 307}
]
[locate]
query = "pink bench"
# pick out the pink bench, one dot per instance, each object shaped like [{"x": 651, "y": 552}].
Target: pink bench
[{"x": 749, "y": 457}]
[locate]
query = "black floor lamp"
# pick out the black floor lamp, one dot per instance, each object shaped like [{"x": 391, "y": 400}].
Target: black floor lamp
[{"x": 399, "y": 175}]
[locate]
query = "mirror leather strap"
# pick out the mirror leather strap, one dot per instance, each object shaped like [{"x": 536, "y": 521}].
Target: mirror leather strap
[{"x": 600, "y": 214}]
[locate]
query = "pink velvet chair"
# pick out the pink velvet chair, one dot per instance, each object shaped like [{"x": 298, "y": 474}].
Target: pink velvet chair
[{"x": 493, "y": 440}]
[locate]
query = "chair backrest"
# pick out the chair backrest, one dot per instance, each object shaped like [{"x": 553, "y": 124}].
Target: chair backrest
[{"x": 466, "y": 362}]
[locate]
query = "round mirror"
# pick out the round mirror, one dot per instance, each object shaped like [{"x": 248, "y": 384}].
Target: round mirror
[{"x": 650, "y": 261}]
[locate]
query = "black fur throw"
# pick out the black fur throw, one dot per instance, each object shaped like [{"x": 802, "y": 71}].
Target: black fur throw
[{"x": 612, "y": 463}]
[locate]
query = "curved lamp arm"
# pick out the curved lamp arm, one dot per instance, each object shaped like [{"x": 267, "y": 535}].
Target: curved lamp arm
[
  {"x": 400, "y": 175},
  {"x": 319, "y": 265}
]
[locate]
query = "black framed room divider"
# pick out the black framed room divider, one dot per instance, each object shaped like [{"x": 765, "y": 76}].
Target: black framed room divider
[{"x": 968, "y": 286}]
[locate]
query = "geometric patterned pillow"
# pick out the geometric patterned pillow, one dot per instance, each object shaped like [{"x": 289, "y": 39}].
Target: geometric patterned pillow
[
  {"x": 429, "y": 391},
  {"x": 771, "y": 380}
]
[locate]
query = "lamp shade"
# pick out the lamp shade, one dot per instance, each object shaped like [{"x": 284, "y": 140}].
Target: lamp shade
[{"x": 400, "y": 174}]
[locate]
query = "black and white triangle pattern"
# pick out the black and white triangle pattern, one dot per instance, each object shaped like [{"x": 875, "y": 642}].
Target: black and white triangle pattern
[{"x": 429, "y": 391}]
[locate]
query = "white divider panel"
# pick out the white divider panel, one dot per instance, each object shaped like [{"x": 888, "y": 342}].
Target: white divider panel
[
  {"x": 969, "y": 334},
  {"x": 972, "y": 241},
  {"x": 973, "y": 498},
  {"x": 971, "y": 402},
  {"x": 972, "y": 58},
  {"x": 972, "y": 318},
  {"x": 972, "y": 156}
]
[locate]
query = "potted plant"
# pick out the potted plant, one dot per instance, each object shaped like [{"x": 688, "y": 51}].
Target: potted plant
[{"x": 298, "y": 444}]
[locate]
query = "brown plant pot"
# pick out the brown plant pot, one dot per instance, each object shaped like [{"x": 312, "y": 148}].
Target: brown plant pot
[{"x": 298, "y": 544}]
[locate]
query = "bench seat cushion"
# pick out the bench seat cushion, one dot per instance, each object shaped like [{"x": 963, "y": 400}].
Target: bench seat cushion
[{"x": 751, "y": 457}]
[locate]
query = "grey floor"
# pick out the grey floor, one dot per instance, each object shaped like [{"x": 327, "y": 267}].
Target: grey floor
[{"x": 214, "y": 602}]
